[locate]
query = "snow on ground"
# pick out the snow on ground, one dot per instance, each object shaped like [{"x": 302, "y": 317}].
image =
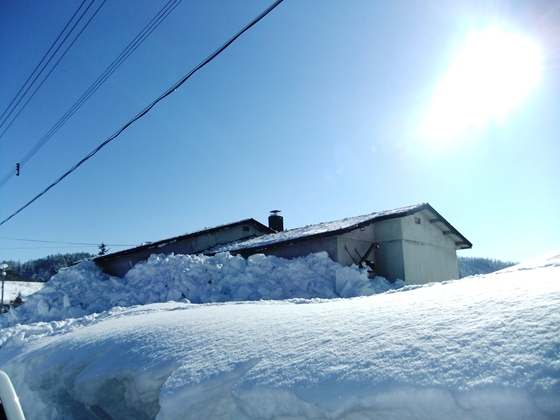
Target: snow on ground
[
  {"x": 23, "y": 288},
  {"x": 484, "y": 347}
]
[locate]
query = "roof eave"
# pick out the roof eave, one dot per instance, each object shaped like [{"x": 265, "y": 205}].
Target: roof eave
[
  {"x": 460, "y": 241},
  {"x": 157, "y": 244}
]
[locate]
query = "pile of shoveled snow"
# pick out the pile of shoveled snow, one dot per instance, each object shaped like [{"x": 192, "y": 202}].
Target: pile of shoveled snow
[
  {"x": 83, "y": 289},
  {"x": 485, "y": 347}
]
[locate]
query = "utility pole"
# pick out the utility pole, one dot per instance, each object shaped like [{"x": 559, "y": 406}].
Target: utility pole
[{"x": 3, "y": 268}]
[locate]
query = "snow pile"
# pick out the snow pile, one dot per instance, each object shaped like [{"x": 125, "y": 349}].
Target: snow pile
[
  {"x": 83, "y": 290},
  {"x": 484, "y": 347}
]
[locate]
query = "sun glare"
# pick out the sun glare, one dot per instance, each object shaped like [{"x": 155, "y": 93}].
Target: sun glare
[{"x": 492, "y": 74}]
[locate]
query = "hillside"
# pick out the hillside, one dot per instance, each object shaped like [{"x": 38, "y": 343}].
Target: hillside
[
  {"x": 471, "y": 266},
  {"x": 42, "y": 269}
]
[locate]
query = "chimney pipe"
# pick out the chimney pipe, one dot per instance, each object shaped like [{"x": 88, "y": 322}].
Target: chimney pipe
[{"x": 275, "y": 221}]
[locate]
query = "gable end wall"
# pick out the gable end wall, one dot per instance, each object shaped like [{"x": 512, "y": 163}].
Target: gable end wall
[{"x": 428, "y": 254}]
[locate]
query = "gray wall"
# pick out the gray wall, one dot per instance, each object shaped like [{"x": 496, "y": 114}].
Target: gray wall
[
  {"x": 352, "y": 246},
  {"x": 389, "y": 258},
  {"x": 343, "y": 249},
  {"x": 301, "y": 249},
  {"x": 417, "y": 253},
  {"x": 429, "y": 255}
]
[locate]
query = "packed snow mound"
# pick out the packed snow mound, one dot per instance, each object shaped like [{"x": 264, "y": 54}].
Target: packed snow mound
[
  {"x": 485, "y": 347},
  {"x": 83, "y": 289}
]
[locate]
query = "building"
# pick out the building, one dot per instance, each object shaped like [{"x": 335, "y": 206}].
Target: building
[
  {"x": 118, "y": 263},
  {"x": 414, "y": 243}
]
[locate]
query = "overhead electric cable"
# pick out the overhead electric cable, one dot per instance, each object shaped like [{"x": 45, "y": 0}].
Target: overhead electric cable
[
  {"x": 51, "y": 70},
  {"x": 51, "y": 247},
  {"x": 58, "y": 242},
  {"x": 131, "y": 47},
  {"x": 149, "y": 107},
  {"x": 43, "y": 59},
  {"x": 44, "y": 67}
]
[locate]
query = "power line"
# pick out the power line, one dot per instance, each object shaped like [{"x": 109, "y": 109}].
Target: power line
[
  {"x": 45, "y": 66},
  {"x": 52, "y": 247},
  {"x": 52, "y": 69},
  {"x": 149, "y": 107},
  {"x": 131, "y": 47},
  {"x": 58, "y": 242},
  {"x": 43, "y": 59}
]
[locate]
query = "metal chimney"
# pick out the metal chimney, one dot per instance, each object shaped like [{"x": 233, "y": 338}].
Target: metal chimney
[{"x": 275, "y": 221}]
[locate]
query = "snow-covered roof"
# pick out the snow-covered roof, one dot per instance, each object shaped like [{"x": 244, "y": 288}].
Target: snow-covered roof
[{"x": 334, "y": 228}]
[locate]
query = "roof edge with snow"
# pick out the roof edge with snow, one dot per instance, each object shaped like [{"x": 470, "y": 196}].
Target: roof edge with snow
[
  {"x": 292, "y": 236},
  {"x": 158, "y": 244}
]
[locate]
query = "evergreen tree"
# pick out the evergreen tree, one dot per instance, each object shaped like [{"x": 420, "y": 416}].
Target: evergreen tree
[{"x": 103, "y": 249}]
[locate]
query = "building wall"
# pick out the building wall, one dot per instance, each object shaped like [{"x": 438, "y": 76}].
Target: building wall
[
  {"x": 410, "y": 248},
  {"x": 428, "y": 254},
  {"x": 344, "y": 249},
  {"x": 389, "y": 258},
  {"x": 120, "y": 264},
  {"x": 415, "y": 252},
  {"x": 301, "y": 249},
  {"x": 352, "y": 246}
]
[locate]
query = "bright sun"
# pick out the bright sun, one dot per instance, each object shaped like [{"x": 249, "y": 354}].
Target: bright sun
[{"x": 492, "y": 74}]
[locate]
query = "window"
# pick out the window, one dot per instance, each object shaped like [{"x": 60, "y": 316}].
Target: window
[{"x": 417, "y": 220}]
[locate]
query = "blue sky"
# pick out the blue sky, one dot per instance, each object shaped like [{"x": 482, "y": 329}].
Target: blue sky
[{"x": 316, "y": 111}]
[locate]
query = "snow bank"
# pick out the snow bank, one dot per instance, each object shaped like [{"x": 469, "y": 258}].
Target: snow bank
[
  {"x": 83, "y": 289},
  {"x": 551, "y": 259},
  {"x": 484, "y": 347}
]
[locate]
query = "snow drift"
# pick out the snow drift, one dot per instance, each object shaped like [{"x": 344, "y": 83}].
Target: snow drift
[{"x": 485, "y": 347}]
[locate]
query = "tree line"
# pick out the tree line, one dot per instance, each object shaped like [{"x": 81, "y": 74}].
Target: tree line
[
  {"x": 42, "y": 269},
  {"x": 470, "y": 266}
]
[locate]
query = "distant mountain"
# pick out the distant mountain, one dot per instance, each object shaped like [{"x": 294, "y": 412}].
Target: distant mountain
[
  {"x": 42, "y": 269},
  {"x": 471, "y": 266}
]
